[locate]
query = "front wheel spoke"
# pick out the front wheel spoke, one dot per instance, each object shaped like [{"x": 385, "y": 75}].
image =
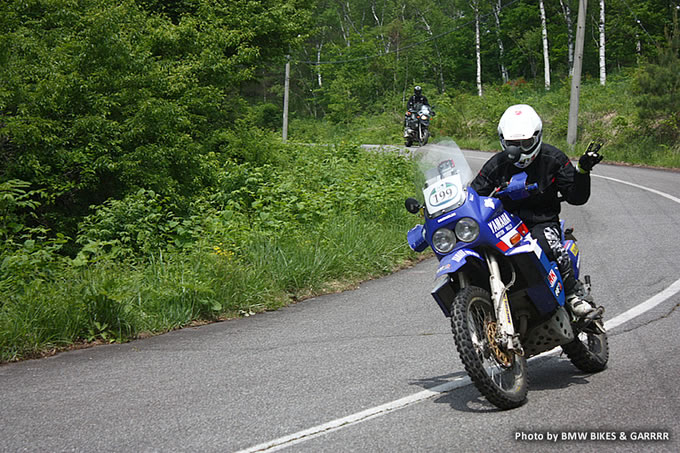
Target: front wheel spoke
[
  {"x": 497, "y": 372},
  {"x": 507, "y": 378}
]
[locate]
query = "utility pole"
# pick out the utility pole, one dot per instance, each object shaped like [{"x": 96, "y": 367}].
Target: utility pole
[
  {"x": 285, "y": 100},
  {"x": 572, "y": 128}
]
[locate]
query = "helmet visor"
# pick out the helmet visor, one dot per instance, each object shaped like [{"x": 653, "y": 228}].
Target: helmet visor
[{"x": 525, "y": 144}]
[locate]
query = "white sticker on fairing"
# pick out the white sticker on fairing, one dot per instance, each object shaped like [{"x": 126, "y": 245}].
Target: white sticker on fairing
[
  {"x": 507, "y": 236},
  {"x": 444, "y": 193},
  {"x": 530, "y": 245},
  {"x": 446, "y": 217},
  {"x": 499, "y": 223},
  {"x": 460, "y": 254}
]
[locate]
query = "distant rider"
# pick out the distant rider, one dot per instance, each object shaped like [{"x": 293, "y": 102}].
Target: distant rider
[
  {"x": 413, "y": 101},
  {"x": 417, "y": 98},
  {"x": 521, "y": 130}
]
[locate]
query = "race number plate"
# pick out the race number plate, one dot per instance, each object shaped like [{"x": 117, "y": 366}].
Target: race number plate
[{"x": 443, "y": 194}]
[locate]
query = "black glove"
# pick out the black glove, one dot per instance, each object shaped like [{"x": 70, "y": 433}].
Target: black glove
[{"x": 591, "y": 157}]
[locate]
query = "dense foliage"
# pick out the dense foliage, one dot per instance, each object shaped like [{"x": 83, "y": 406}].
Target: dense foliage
[
  {"x": 143, "y": 183},
  {"x": 313, "y": 219},
  {"x": 100, "y": 98}
]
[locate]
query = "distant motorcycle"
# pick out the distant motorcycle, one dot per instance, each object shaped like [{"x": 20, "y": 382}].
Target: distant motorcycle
[
  {"x": 505, "y": 298},
  {"x": 417, "y": 127}
]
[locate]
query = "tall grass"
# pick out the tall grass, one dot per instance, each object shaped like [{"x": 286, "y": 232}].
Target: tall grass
[{"x": 322, "y": 219}]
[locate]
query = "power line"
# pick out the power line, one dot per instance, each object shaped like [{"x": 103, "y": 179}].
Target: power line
[{"x": 638, "y": 21}]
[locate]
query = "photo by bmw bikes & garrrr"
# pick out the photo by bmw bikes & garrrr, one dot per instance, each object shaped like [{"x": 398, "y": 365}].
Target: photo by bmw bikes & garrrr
[{"x": 504, "y": 296}]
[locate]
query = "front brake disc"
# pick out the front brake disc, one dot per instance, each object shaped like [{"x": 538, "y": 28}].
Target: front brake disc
[{"x": 501, "y": 356}]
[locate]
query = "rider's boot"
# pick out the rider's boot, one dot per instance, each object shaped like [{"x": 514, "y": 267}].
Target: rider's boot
[
  {"x": 576, "y": 301},
  {"x": 577, "y": 306}
]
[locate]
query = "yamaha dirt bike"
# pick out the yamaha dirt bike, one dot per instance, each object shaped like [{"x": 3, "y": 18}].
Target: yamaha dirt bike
[
  {"x": 504, "y": 297},
  {"x": 417, "y": 128}
]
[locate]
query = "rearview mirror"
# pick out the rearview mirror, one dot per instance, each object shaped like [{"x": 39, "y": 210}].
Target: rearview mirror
[{"x": 412, "y": 205}]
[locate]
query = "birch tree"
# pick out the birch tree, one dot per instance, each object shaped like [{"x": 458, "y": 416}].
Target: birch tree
[
  {"x": 478, "y": 47},
  {"x": 566, "y": 12},
  {"x": 546, "y": 55},
  {"x": 439, "y": 67},
  {"x": 501, "y": 49},
  {"x": 603, "y": 69},
  {"x": 379, "y": 23}
]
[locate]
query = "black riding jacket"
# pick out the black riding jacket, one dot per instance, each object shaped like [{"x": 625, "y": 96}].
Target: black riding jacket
[
  {"x": 553, "y": 172},
  {"x": 415, "y": 100}
]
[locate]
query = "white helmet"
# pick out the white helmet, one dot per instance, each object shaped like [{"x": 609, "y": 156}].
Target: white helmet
[{"x": 521, "y": 126}]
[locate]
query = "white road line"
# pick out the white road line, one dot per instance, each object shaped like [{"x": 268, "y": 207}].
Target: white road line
[
  {"x": 637, "y": 186},
  {"x": 663, "y": 295},
  {"x": 311, "y": 433},
  {"x": 644, "y": 306},
  {"x": 307, "y": 434}
]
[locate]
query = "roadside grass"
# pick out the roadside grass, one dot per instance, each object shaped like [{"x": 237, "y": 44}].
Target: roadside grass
[
  {"x": 289, "y": 240},
  {"x": 115, "y": 302}
]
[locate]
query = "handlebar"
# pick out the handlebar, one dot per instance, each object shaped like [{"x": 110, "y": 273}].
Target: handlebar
[{"x": 515, "y": 189}]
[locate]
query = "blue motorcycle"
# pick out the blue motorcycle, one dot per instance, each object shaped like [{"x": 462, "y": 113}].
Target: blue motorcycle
[{"x": 504, "y": 297}]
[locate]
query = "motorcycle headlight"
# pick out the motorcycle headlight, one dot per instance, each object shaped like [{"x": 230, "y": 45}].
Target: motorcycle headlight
[
  {"x": 423, "y": 117},
  {"x": 443, "y": 240},
  {"x": 467, "y": 229}
]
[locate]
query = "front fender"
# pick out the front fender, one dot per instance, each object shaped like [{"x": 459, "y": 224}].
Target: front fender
[{"x": 451, "y": 263}]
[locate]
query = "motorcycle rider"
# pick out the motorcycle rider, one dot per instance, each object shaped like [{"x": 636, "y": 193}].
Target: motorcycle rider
[
  {"x": 415, "y": 99},
  {"x": 520, "y": 130}
]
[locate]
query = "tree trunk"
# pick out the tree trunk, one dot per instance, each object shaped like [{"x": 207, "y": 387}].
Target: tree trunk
[
  {"x": 566, "y": 12},
  {"x": 319, "y": 46},
  {"x": 439, "y": 70},
  {"x": 546, "y": 55},
  {"x": 501, "y": 49},
  {"x": 603, "y": 68},
  {"x": 478, "y": 47},
  {"x": 379, "y": 23}
]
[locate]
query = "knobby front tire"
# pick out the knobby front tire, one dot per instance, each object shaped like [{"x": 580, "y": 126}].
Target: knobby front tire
[
  {"x": 426, "y": 137},
  {"x": 471, "y": 314}
]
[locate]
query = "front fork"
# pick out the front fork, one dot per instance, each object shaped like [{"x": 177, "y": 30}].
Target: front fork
[{"x": 506, "y": 333}]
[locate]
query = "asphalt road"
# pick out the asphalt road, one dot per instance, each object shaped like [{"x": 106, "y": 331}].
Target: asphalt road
[{"x": 364, "y": 370}]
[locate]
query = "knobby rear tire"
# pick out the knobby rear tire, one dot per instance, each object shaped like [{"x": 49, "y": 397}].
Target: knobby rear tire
[
  {"x": 589, "y": 352},
  {"x": 504, "y": 387}
]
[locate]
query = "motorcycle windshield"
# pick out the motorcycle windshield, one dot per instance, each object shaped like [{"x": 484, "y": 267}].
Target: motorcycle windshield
[{"x": 443, "y": 176}]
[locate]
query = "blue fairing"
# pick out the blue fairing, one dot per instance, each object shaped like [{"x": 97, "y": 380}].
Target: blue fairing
[
  {"x": 483, "y": 210},
  {"x": 451, "y": 263},
  {"x": 416, "y": 238},
  {"x": 549, "y": 289},
  {"x": 534, "y": 275}
]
